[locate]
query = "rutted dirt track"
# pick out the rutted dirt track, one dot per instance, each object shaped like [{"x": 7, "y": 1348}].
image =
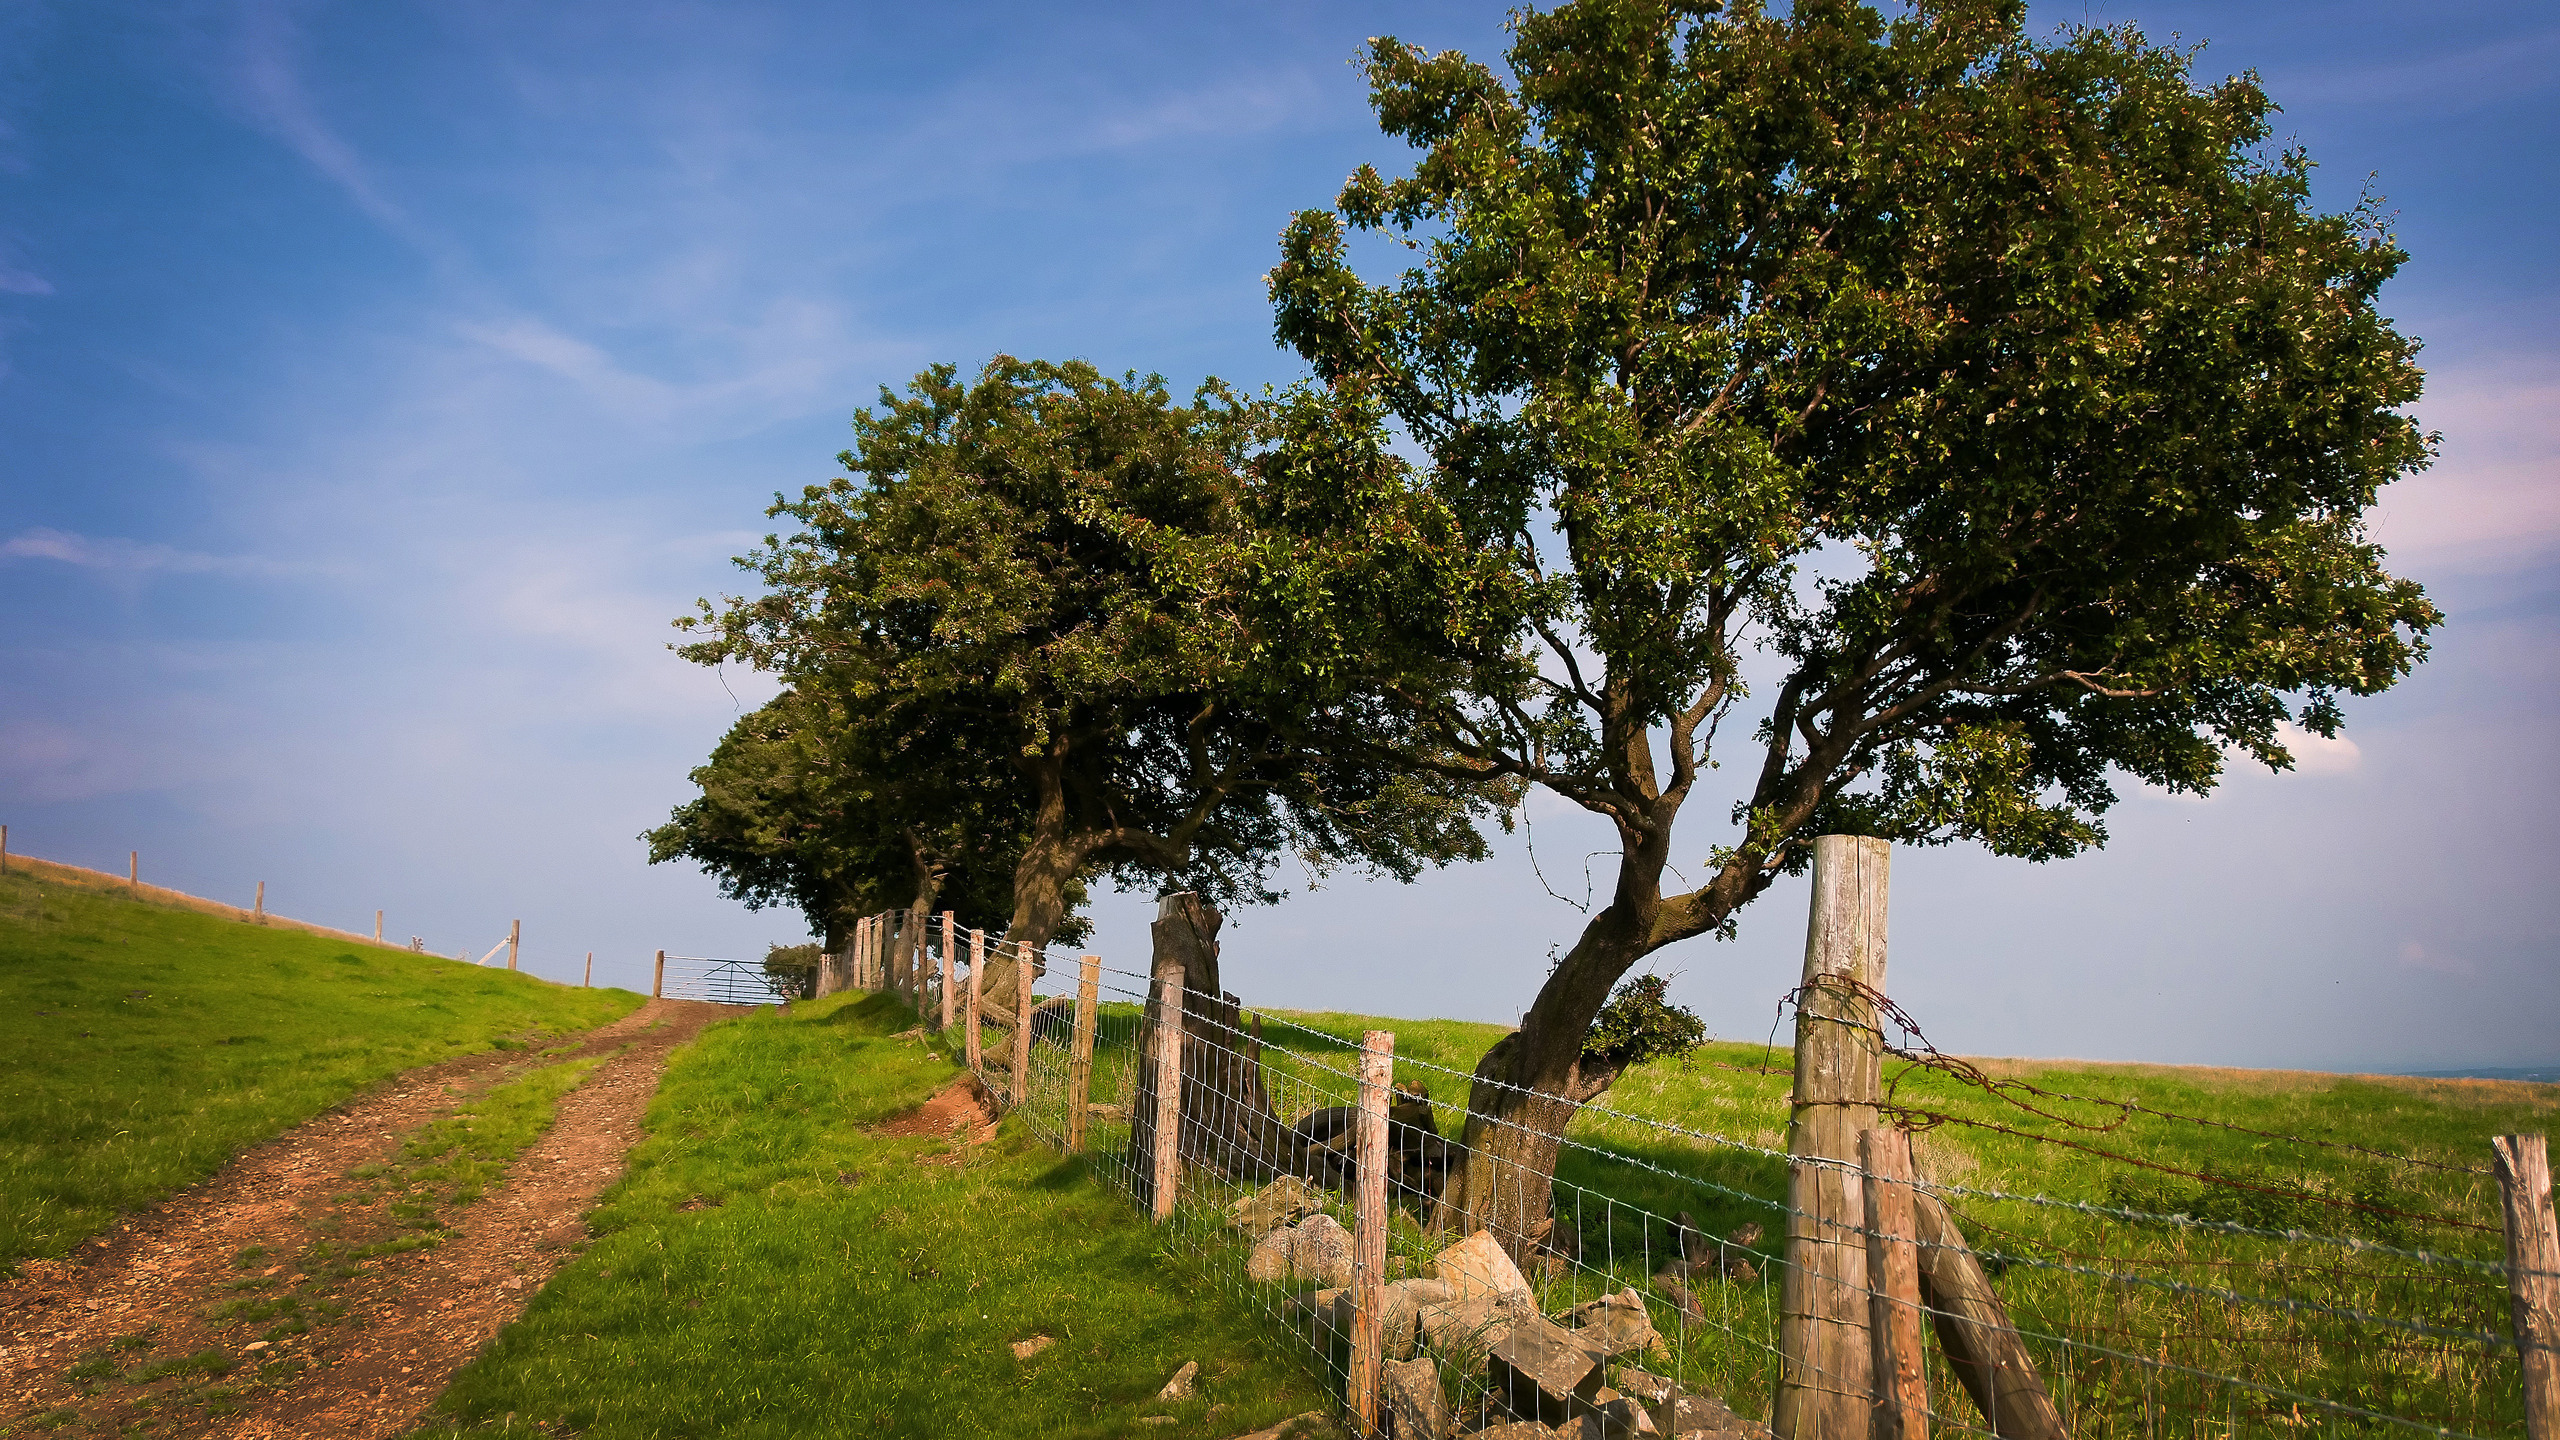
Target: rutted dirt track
[{"x": 390, "y": 1336}]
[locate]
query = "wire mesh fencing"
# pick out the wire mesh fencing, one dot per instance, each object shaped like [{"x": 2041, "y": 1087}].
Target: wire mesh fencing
[{"x": 1610, "y": 1272}]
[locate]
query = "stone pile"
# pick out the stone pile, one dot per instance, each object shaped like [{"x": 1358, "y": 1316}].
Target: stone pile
[{"x": 1574, "y": 1374}]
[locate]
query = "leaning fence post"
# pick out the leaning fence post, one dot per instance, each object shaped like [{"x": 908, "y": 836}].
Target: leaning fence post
[
  {"x": 1893, "y": 1270},
  {"x": 1022, "y": 1025},
  {"x": 1826, "y": 1382},
  {"x": 977, "y": 967},
  {"x": 2533, "y": 1275},
  {"x": 590, "y": 982},
  {"x": 1168, "y": 1040},
  {"x": 658, "y": 979},
  {"x": 1369, "y": 1226},
  {"x": 1080, "y": 1065}
]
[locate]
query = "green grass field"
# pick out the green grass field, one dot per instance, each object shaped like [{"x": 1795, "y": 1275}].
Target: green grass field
[
  {"x": 771, "y": 1267},
  {"x": 141, "y": 1047}
]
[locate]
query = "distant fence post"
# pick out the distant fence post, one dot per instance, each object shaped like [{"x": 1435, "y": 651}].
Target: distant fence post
[
  {"x": 1826, "y": 1381},
  {"x": 1022, "y": 1024},
  {"x": 658, "y": 978},
  {"x": 1369, "y": 1227},
  {"x": 2533, "y": 1275},
  {"x": 515, "y": 934},
  {"x": 1168, "y": 1116},
  {"x": 1893, "y": 1269},
  {"x": 258, "y": 911},
  {"x": 377, "y": 931},
  {"x": 4, "y": 849},
  {"x": 590, "y": 982},
  {"x": 1080, "y": 1065},
  {"x": 950, "y": 953},
  {"x": 977, "y": 967},
  {"x": 133, "y": 872}
]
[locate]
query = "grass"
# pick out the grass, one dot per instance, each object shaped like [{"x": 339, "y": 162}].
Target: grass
[
  {"x": 141, "y": 1046},
  {"x": 2103, "y": 1283},
  {"x": 770, "y": 1261}
]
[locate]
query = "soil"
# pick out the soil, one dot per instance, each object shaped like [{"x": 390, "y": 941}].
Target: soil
[
  {"x": 275, "y": 1298},
  {"x": 962, "y": 1111}
]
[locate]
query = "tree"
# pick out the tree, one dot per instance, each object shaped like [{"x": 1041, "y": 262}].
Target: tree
[
  {"x": 985, "y": 563},
  {"x": 840, "y": 813},
  {"x": 2005, "y": 406}
]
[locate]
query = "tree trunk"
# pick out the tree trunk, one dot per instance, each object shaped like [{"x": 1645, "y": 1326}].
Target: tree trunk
[
  {"x": 1528, "y": 1086},
  {"x": 1227, "y": 1120},
  {"x": 1040, "y": 881}
]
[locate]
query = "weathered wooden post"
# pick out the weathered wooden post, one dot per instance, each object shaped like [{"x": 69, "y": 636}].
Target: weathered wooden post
[
  {"x": 133, "y": 872},
  {"x": 1825, "y": 1353},
  {"x": 1975, "y": 1333},
  {"x": 862, "y": 952},
  {"x": 1022, "y": 1024},
  {"x": 587, "y": 984},
  {"x": 1369, "y": 1227},
  {"x": 950, "y": 953},
  {"x": 1168, "y": 1117},
  {"x": 4, "y": 849},
  {"x": 658, "y": 978},
  {"x": 258, "y": 910},
  {"x": 2523, "y": 1163},
  {"x": 1080, "y": 1063},
  {"x": 977, "y": 967},
  {"x": 515, "y": 932},
  {"x": 377, "y": 932},
  {"x": 1894, "y": 1314}
]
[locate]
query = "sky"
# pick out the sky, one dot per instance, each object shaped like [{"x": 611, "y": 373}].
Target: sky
[{"x": 377, "y": 381}]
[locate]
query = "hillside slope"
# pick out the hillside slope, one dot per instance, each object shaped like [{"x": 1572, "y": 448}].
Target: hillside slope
[{"x": 142, "y": 1045}]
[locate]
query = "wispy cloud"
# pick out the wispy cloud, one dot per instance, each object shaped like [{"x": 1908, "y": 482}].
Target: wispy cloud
[
  {"x": 120, "y": 557},
  {"x": 264, "y": 80},
  {"x": 17, "y": 280},
  {"x": 2492, "y": 502},
  {"x": 2500, "y": 70}
]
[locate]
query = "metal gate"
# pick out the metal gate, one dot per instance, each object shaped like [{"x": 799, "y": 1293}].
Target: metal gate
[{"x": 722, "y": 982}]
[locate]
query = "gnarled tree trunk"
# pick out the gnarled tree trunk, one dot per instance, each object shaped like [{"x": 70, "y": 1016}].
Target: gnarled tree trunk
[{"x": 1227, "y": 1122}]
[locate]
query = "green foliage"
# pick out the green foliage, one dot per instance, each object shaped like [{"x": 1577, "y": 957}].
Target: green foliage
[
  {"x": 907, "y": 1281},
  {"x": 796, "y": 966},
  {"x": 1639, "y": 1024},
  {"x": 112, "y": 1092},
  {"x": 992, "y": 574}
]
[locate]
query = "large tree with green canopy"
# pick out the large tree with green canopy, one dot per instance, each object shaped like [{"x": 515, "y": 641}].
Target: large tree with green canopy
[
  {"x": 985, "y": 564},
  {"x": 2001, "y": 410}
]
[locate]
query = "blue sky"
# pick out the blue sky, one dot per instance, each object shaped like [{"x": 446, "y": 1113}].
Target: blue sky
[{"x": 376, "y": 381}]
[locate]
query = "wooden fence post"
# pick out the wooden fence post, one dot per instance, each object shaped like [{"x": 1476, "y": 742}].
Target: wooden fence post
[
  {"x": 1975, "y": 1333},
  {"x": 1893, "y": 1270},
  {"x": 1826, "y": 1382},
  {"x": 4, "y": 849},
  {"x": 2533, "y": 1275},
  {"x": 1168, "y": 1118},
  {"x": 1080, "y": 1063},
  {"x": 1022, "y": 1024},
  {"x": 590, "y": 982},
  {"x": 950, "y": 952},
  {"x": 658, "y": 979},
  {"x": 133, "y": 872},
  {"x": 377, "y": 929},
  {"x": 515, "y": 938},
  {"x": 977, "y": 967},
  {"x": 258, "y": 911},
  {"x": 1369, "y": 1227}
]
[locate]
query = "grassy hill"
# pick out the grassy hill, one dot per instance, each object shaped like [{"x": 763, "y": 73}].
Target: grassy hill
[{"x": 143, "y": 1045}]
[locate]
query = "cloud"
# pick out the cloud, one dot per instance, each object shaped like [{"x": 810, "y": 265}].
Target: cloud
[
  {"x": 2504, "y": 68},
  {"x": 2319, "y": 754},
  {"x": 264, "y": 80},
  {"x": 119, "y": 557},
  {"x": 2414, "y": 956},
  {"x": 15, "y": 280},
  {"x": 2492, "y": 502}
]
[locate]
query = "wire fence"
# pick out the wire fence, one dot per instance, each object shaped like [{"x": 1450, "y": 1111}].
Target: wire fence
[{"x": 1652, "y": 1285}]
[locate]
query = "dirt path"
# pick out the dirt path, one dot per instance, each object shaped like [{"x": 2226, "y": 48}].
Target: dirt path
[{"x": 161, "y": 1320}]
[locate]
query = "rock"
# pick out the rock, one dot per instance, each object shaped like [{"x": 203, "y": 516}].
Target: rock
[
  {"x": 1025, "y": 1349},
  {"x": 1282, "y": 1202},
  {"x": 1618, "y": 1419},
  {"x": 1538, "y": 1366},
  {"x": 1316, "y": 1248},
  {"x": 1180, "y": 1386},
  {"x": 1426, "y": 1292},
  {"x": 1682, "y": 1298},
  {"x": 1703, "y": 1417},
  {"x": 1477, "y": 1266},
  {"x": 1409, "y": 1394},
  {"x": 1616, "y": 1325},
  {"x": 1646, "y": 1386},
  {"x": 1471, "y": 1327},
  {"x": 1516, "y": 1430}
]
